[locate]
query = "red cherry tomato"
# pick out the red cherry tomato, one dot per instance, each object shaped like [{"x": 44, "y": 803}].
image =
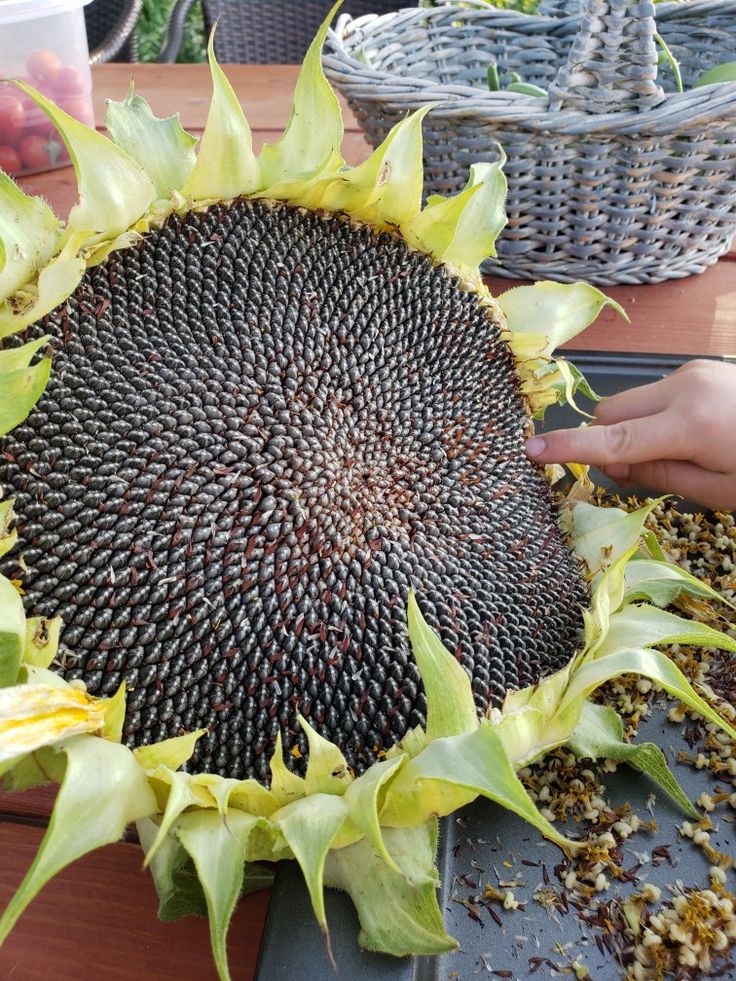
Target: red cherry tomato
[
  {"x": 45, "y": 130},
  {"x": 36, "y": 121},
  {"x": 9, "y": 160},
  {"x": 79, "y": 107},
  {"x": 69, "y": 82},
  {"x": 43, "y": 66},
  {"x": 38, "y": 153},
  {"x": 12, "y": 120}
]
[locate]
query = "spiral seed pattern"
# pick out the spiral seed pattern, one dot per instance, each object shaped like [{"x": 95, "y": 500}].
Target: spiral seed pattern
[{"x": 263, "y": 428}]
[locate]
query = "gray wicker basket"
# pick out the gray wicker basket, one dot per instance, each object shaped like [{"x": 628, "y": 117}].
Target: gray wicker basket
[{"x": 610, "y": 180}]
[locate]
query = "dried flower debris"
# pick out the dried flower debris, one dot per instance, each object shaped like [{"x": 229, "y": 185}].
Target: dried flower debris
[{"x": 629, "y": 926}]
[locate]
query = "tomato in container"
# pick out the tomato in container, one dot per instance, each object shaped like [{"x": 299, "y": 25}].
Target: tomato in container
[{"x": 42, "y": 43}]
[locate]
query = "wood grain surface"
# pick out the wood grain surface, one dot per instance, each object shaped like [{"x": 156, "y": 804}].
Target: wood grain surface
[{"x": 96, "y": 921}]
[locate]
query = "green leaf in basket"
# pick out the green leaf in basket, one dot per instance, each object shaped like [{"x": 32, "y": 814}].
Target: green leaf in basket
[
  {"x": 667, "y": 58},
  {"x": 721, "y": 73},
  {"x": 526, "y": 88},
  {"x": 363, "y": 58}
]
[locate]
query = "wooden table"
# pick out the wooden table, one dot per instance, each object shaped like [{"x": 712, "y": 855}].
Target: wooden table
[{"x": 96, "y": 921}]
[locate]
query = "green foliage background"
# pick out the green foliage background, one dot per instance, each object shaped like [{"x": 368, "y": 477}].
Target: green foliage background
[{"x": 151, "y": 26}]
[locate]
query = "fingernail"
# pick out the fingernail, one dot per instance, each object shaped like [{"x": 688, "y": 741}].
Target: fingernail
[{"x": 535, "y": 446}]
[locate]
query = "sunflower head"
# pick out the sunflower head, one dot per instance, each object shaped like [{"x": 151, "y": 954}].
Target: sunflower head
[{"x": 313, "y": 594}]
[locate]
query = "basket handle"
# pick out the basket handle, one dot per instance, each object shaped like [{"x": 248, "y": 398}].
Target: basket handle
[{"x": 612, "y": 65}]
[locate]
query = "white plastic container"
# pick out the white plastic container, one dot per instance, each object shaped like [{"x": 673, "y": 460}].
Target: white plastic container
[{"x": 44, "y": 43}]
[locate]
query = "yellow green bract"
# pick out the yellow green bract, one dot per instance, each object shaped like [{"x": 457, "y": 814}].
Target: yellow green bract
[{"x": 377, "y": 830}]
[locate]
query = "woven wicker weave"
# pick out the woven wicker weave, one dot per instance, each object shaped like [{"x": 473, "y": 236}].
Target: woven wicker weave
[
  {"x": 262, "y": 31},
  {"x": 610, "y": 179},
  {"x": 111, "y": 29}
]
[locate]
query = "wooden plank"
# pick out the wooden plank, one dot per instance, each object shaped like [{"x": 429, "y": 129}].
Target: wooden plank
[
  {"x": 97, "y": 920},
  {"x": 34, "y": 805},
  {"x": 265, "y": 91}
]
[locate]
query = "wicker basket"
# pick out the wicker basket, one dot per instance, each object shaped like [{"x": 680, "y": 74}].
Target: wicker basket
[{"x": 610, "y": 180}]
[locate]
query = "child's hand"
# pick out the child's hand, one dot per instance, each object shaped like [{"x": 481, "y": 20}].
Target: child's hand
[{"x": 677, "y": 435}]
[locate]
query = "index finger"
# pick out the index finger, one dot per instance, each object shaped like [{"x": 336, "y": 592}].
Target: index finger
[{"x": 655, "y": 437}]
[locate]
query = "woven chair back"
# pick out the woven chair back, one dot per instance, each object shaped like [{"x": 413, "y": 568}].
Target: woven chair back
[
  {"x": 613, "y": 177},
  {"x": 275, "y": 31},
  {"x": 111, "y": 29}
]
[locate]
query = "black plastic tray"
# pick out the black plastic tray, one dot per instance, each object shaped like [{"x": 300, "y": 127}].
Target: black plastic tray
[{"x": 476, "y": 842}]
